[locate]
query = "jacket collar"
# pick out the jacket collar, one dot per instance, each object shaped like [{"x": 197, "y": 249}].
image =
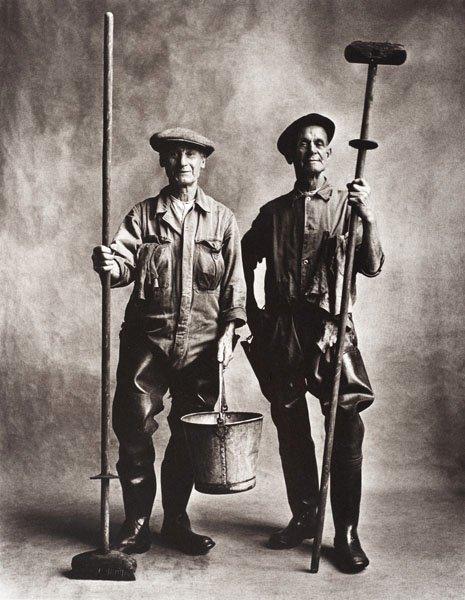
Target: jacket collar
[
  {"x": 164, "y": 209},
  {"x": 324, "y": 192},
  {"x": 203, "y": 201},
  {"x": 163, "y": 203}
]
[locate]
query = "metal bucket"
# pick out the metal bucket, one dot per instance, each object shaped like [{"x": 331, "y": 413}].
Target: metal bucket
[{"x": 224, "y": 450}]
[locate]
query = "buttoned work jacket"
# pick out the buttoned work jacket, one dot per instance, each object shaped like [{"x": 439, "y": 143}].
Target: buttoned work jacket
[
  {"x": 303, "y": 240},
  {"x": 188, "y": 277}
]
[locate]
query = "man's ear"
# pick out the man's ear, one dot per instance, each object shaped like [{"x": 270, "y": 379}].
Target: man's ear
[
  {"x": 161, "y": 160},
  {"x": 203, "y": 161},
  {"x": 329, "y": 151}
]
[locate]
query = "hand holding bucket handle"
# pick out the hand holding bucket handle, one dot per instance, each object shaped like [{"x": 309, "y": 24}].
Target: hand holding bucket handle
[{"x": 223, "y": 407}]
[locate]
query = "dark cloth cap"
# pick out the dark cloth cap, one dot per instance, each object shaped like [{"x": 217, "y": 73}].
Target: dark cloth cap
[
  {"x": 183, "y": 135},
  {"x": 286, "y": 141}
]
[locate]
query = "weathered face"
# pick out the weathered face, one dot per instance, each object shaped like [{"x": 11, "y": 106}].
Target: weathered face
[
  {"x": 312, "y": 152},
  {"x": 182, "y": 163}
]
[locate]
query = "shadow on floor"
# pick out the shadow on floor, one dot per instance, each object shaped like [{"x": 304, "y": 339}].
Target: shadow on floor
[
  {"x": 64, "y": 522},
  {"x": 255, "y": 531}
]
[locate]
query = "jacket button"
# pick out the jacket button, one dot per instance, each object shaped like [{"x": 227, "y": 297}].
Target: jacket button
[{"x": 305, "y": 261}]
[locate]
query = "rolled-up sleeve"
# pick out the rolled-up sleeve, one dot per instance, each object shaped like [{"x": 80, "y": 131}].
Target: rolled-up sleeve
[
  {"x": 232, "y": 297},
  {"x": 359, "y": 262},
  {"x": 125, "y": 245}
]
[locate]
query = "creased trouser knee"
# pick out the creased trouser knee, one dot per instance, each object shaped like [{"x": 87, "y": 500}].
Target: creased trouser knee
[
  {"x": 134, "y": 415},
  {"x": 134, "y": 426}
]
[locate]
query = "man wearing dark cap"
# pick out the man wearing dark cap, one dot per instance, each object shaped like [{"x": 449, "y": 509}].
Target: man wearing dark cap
[
  {"x": 303, "y": 235},
  {"x": 181, "y": 249}
]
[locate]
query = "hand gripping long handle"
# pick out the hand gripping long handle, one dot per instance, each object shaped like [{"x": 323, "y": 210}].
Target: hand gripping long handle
[
  {"x": 105, "y": 475},
  {"x": 363, "y": 144}
]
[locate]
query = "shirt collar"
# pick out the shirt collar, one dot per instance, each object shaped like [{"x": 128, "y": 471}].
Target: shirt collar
[
  {"x": 324, "y": 192},
  {"x": 201, "y": 200}
]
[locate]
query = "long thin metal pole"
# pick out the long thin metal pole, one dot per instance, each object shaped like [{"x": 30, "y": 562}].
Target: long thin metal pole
[
  {"x": 331, "y": 423},
  {"x": 106, "y": 314}
]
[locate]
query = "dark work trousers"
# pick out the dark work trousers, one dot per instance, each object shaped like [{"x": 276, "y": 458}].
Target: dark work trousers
[
  {"x": 144, "y": 376},
  {"x": 290, "y": 415},
  {"x": 298, "y": 460}
]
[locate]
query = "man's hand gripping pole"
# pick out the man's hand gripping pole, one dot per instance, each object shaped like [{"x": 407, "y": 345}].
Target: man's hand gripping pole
[{"x": 373, "y": 54}]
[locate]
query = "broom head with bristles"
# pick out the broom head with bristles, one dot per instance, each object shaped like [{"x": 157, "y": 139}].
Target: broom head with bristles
[{"x": 112, "y": 565}]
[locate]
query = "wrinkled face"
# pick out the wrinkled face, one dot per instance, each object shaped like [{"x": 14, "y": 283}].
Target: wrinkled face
[
  {"x": 312, "y": 152},
  {"x": 182, "y": 163}
]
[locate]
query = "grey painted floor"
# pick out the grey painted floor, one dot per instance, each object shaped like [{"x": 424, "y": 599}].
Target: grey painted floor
[{"x": 414, "y": 538}]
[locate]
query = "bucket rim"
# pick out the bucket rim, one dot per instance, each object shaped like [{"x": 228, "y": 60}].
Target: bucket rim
[{"x": 256, "y": 417}]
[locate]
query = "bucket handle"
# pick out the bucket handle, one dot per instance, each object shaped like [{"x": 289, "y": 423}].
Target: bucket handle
[{"x": 223, "y": 408}]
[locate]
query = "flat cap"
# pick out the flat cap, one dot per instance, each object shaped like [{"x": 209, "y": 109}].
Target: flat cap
[
  {"x": 181, "y": 134},
  {"x": 286, "y": 141}
]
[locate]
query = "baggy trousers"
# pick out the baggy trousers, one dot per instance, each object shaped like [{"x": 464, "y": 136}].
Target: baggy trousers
[
  {"x": 144, "y": 376},
  {"x": 297, "y": 451},
  {"x": 285, "y": 389}
]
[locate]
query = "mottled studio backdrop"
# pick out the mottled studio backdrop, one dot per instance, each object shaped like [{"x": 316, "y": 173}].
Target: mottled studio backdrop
[{"x": 239, "y": 72}]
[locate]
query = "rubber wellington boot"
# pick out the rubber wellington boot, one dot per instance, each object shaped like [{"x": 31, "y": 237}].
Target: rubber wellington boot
[
  {"x": 139, "y": 489},
  {"x": 345, "y": 502},
  {"x": 350, "y": 556},
  {"x": 299, "y": 528},
  {"x": 176, "y": 532},
  {"x": 134, "y": 536}
]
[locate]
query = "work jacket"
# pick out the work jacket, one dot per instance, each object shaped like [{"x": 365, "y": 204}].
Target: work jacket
[
  {"x": 303, "y": 238},
  {"x": 188, "y": 277}
]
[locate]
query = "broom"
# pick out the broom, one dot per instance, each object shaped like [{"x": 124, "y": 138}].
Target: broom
[{"x": 104, "y": 563}]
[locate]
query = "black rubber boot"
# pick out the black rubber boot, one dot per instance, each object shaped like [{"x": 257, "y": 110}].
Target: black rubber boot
[
  {"x": 300, "y": 528},
  {"x": 346, "y": 490},
  {"x": 134, "y": 536},
  {"x": 177, "y": 533},
  {"x": 177, "y": 480},
  {"x": 350, "y": 556},
  {"x": 137, "y": 478}
]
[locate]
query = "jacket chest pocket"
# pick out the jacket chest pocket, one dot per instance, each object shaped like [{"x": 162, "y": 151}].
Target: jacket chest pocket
[
  {"x": 153, "y": 268},
  {"x": 208, "y": 265}
]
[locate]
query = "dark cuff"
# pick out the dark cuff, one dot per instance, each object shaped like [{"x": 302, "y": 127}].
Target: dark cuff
[{"x": 236, "y": 314}]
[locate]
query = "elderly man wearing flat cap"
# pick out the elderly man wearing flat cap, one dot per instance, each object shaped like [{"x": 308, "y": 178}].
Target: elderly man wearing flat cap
[
  {"x": 302, "y": 235},
  {"x": 181, "y": 249}
]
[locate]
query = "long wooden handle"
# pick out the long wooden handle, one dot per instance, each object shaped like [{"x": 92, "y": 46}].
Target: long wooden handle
[
  {"x": 106, "y": 314},
  {"x": 350, "y": 251}
]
